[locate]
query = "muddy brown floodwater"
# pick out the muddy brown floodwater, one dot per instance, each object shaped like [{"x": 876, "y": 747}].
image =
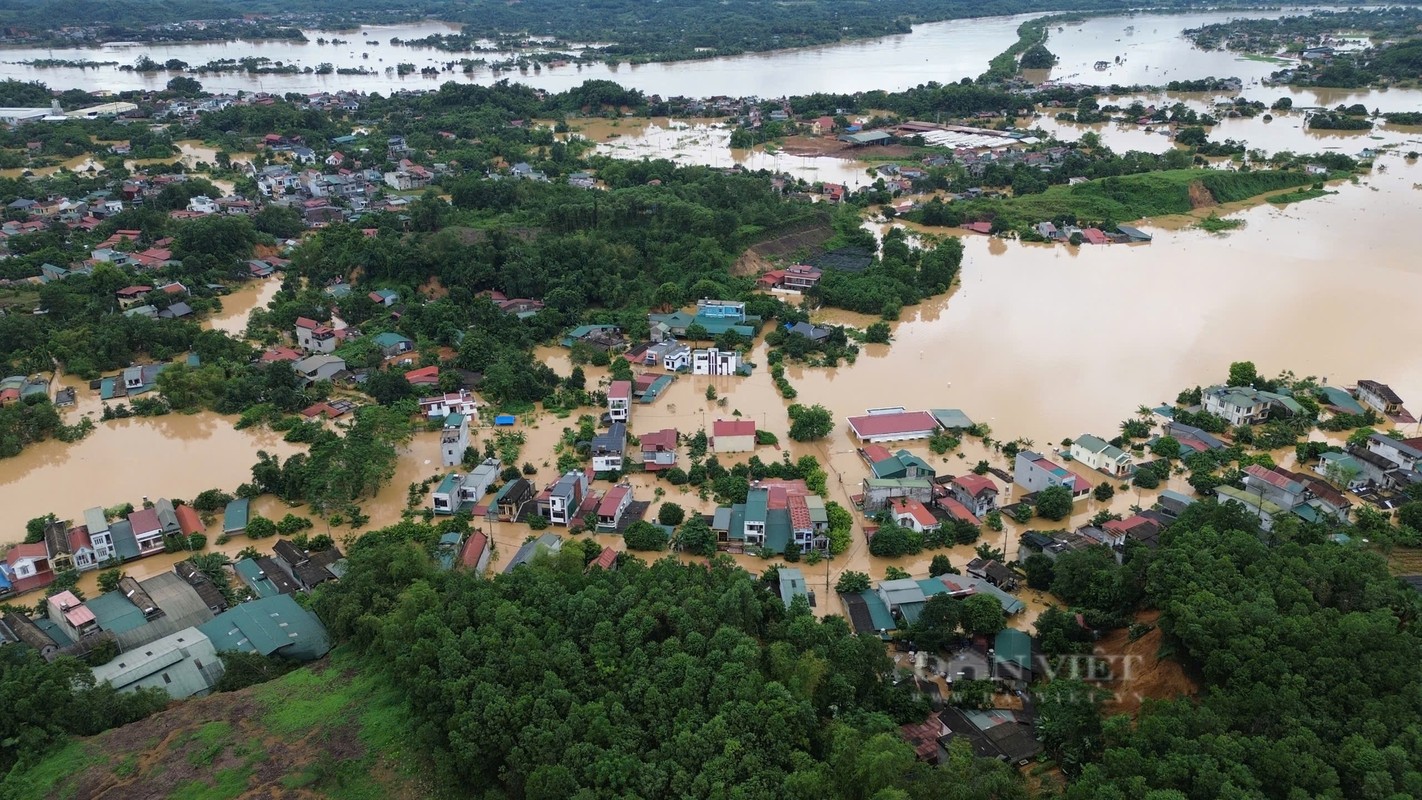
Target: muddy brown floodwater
[{"x": 237, "y": 306}]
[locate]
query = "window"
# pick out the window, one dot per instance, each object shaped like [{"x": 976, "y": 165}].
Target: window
[
  {"x": 167, "y": 679},
  {"x": 197, "y": 662}
]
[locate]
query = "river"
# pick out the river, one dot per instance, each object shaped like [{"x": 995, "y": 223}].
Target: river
[{"x": 1154, "y": 52}]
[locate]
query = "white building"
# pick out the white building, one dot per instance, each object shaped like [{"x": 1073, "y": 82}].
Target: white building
[
  {"x": 714, "y": 361},
  {"x": 1101, "y": 456},
  {"x": 1239, "y": 405},
  {"x": 453, "y": 439}
]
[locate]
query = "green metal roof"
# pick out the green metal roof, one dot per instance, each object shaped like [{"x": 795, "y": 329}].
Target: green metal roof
[
  {"x": 453, "y": 419},
  {"x": 757, "y": 504},
  {"x": 792, "y": 585},
  {"x": 878, "y": 612},
  {"x": 251, "y": 574},
  {"x": 1013, "y": 646},
  {"x": 390, "y": 339},
  {"x": 951, "y": 418},
  {"x": 448, "y": 485},
  {"x": 269, "y": 625},
  {"x": 737, "y": 530},
  {"x": 777, "y": 529},
  {"x": 1335, "y": 396},
  {"x": 115, "y": 613}
]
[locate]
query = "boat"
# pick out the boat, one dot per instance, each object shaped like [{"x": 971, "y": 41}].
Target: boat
[{"x": 1101, "y": 66}]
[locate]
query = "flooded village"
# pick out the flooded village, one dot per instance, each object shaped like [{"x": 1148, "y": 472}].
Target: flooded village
[{"x": 1078, "y": 383}]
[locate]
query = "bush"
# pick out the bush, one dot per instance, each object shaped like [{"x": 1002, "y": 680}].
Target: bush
[
  {"x": 260, "y": 527},
  {"x": 538, "y": 522},
  {"x": 109, "y": 579},
  {"x": 1104, "y": 491},
  {"x": 671, "y": 514},
  {"x": 676, "y": 476},
  {"x": 197, "y": 541},
  {"x": 291, "y": 523},
  {"x": 766, "y": 438},
  {"x": 809, "y": 423},
  {"x": 852, "y": 583}
]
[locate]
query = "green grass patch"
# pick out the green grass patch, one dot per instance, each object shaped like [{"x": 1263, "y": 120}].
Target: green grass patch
[
  {"x": 211, "y": 739},
  {"x": 1264, "y": 58},
  {"x": 40, "y": 780},
  {"x": 1299, "y": 195},
  {"x": 1130, "y": 197},
  {"x": 225, "y": 785},
  {"x": 1215, "y": 224},
  {"x": 302, "y": 700}
]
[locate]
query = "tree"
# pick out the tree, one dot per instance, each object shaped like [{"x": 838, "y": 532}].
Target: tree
[
  {"x": 387, "y": 387},
  {"x": 620, "y": 369},
  {"x": 696, "y": 537},
  {"x": 1242, "y": 373},
  {"x": 937, "y": 623},
  {"x": 877, "y": 333},
  {"x": 109, "y": 579},
  {"x": 891, "y": 541},
  {"x": 1069, "y": 720},
  {"x": 1054, "y": 503},
  {"x": 851, "y": 582},
  {"x": 1040, "y": 571},
  {"x": 1104, "y": 491},
  {"x": 982, "y": 615},
  {"x": 643, "y": 535},
  {"x": 1037, "y": 57},
  {"x": 185, "y": 86},
  {"x": 1089, "y": 578},
  {"x": 1167, "y": 447},
  {"x": 941, "y": 565},
  {"x": 809, "y": 423},
  {"x": 671, "y": 514}
]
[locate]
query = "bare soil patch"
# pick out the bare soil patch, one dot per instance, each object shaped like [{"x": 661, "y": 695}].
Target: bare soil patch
[{"x": 1144, "y": 676}]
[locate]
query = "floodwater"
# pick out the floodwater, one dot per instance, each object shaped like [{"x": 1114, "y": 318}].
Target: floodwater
[
  {"x": 941, "y": 51},
  {"x": 177, "y": 455},
  {"x": 1286, "y": 131},
  {"x": 1151, "y": 48},
  {"x": 238, "y": 305},
  {"x": 708, "y": 142}
]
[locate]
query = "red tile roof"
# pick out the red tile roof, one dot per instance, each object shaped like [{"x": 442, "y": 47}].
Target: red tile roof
[
  {"x": 733, "y": 427},
  {"x": 423, "y": 375},
  {"x": 473, "y": 550},
  {"x": 1094, "y": 236},
  {"x": 605, "y": 560},
  {"x": 874, "y": 453},
  {"x": 620, "y": 390},
  {"x": 309, "y": 324},
  {"x": 1276, "y": 479},
  {"x": 799, "y": 513},
  {"x": 979, "y": 227},
  {"x": 664, "y": 439},
  {"x": 144, "y": 520},
  {"x": 280, "y": 353},
  {"x": 188, "y": 520},
  {"x": 957, "y": 510},
  {"x": 79, "y": 539},
  {"x": 903, "y": 422},
  {"x": 33, "y": 550},
  {"x": 915, "y": 509},
  {"x": 612, "y": 500},
  {"x": 975, "y": 485}
]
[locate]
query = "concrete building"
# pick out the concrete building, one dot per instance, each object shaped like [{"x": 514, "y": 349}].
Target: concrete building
[
  {"x": 619, "y": 400},
  {"x": 453, "y": 440},
  {"x": 733, "y": 436},
  {"x": 1101, "y": 456},
  {"x": 1034, "y": 473},
  {"x": 183, "y": 664}
]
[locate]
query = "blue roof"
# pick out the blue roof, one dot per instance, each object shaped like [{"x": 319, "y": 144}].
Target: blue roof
[
  {"x": 390, "y": 339},
  {"x": 505, "y": 419}
]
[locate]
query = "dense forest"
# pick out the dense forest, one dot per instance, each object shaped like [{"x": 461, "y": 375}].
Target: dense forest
[{"x": 660, "y": 680}]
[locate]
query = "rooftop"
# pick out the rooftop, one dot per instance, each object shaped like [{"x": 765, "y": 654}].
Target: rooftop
[{"x": 890, "y": 424}]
